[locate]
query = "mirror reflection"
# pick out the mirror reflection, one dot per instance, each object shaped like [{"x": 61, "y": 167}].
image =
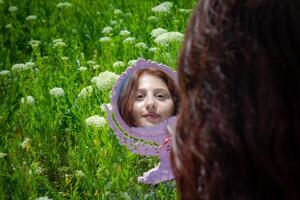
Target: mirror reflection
[{"x": 148, "y": 97}]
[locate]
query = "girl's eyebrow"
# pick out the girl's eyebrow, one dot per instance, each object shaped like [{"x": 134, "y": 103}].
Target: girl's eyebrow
[
  {"x": 155, "y": 90},
  {"x": 161, "y": 90}
]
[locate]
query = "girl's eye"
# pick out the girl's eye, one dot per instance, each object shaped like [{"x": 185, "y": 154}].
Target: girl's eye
[
  {"x": 139, "y": 97},
  {"x": 161, "y": 96}
]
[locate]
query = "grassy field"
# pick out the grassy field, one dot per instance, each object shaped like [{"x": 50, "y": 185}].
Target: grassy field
[{"x": 55, "y": 59}]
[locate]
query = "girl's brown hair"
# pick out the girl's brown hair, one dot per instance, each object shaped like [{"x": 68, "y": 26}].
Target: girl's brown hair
[
  {"x": 127, "y": 95},
  {"x": 238, "y": 125}
]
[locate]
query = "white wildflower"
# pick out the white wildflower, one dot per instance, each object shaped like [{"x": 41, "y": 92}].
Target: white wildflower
[
  {"x": 129, "y": 40},
  {"x": 34, "y": 43},
  {"x": 117, "y": 12},
  {"x": 107, "y": 30},
  {"x": 64, "y": 5},
  {"x": 28, "y": 100},
  {"x": 85, "y": 92},
  {"x": 22, "y": 67},
  {"x": 8, "y": 26},
  {"x": 2, "y": 155},
  {"x": 124, "y": 33},
  {"x": 119, "y": 64},
  {"x": 103, "y": 107},
  {"x": 39, "y": 170},
  {"x": 57, "y": 92},
  {"x": 169, "y": 37},
  {"x": 152, "y": 19},
  {"x": 31, "y": 18},
  {"x": 141, "y": 45},
  {"x": 25, "y": 144},
  {"x": 105, "y": 39},
  {"x": 131, "y": 62},
  {"x": 96, "y": 66},
  {"x": 36, "y": 169},
  {"x": 158, "y": 31},
  {"x": 105, "y": 80},
  {"x": 59, "y": 44},
  {"x": 164, "y": 7},
  {"x": 43, "y": 198},
  {"x": 12, "y": 9},
  {"x": 29, "y": 65},
  {"x": 82, "y": 69},
  {"x": 113, "y": 22},
  {"x": 100, "y": 84},
  {"x": 4, "y": 73},
  {"x": 65, "y": 58},
  {"x": 153, "y": 49},
  {"x": 91, "y": 62},
  {"x": 18, "y": 67},
  {"x": 68, "y": 178},
  {"x": 79, "y": 173},
  {"x": 95, "y": 121},
  {"x": 126, "y": 196},
  {"x": 57, "y": 40}
]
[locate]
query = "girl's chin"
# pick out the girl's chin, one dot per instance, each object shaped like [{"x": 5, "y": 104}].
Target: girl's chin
[{"x": 151, "y": 123}]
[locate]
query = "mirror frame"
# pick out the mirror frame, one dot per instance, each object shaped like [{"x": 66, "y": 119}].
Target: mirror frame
[
  {"x": 150, "y": 139},
  {"x": 141, "y": 63}
]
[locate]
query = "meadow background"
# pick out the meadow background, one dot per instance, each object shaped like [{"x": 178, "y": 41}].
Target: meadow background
[{"x": 58, "y": 62}]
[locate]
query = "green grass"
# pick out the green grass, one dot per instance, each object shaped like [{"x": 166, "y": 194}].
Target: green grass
[{"x": 61, "y": 144}]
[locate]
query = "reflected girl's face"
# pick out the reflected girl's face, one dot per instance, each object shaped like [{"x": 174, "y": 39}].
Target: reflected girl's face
[{"x": 153, "y": 101}]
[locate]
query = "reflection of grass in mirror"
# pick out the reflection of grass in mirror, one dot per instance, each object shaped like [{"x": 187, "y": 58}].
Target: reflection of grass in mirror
[
  {"x": 130, "y": 136},
  {"x": 46, "y": 148}
]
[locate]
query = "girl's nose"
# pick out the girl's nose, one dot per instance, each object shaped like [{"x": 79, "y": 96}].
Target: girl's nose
[{"x": 151, "y": 105}]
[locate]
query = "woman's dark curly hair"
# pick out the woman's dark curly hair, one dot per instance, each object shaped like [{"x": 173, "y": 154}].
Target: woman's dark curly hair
[{"x": 238, "y": 126}]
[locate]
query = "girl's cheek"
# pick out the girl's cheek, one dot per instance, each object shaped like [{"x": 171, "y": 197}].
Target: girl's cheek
[{"x": 139, "y": 106}]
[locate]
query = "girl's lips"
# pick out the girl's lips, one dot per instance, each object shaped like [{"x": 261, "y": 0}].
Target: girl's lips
[{"x": 152, "y": 116}]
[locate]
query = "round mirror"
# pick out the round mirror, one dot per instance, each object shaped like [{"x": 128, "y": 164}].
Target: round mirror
[{"x": 143, "y": 106}]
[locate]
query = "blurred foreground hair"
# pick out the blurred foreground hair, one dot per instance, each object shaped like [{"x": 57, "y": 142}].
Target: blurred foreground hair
[{"x": 238, "y": 126}]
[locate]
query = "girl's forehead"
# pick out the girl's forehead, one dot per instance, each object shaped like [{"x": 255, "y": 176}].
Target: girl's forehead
[{"x": 151, "y": 81}]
